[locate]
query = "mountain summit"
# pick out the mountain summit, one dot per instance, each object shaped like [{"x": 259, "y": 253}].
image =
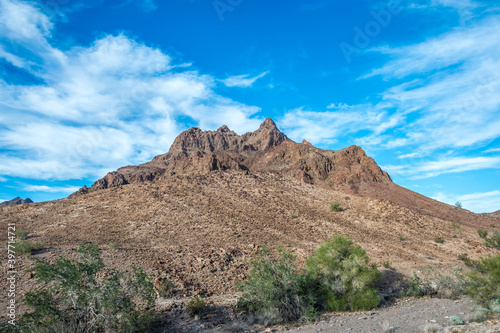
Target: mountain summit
[{"x": 266, "y": 150}]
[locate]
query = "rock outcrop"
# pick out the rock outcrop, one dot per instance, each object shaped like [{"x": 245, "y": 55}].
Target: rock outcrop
[
  {"x": 16, "y": 201},
  {"x": 266, "y": 150}
]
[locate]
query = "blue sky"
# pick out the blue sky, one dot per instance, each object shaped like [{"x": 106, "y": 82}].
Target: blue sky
[{"x": 89, "y": 86}]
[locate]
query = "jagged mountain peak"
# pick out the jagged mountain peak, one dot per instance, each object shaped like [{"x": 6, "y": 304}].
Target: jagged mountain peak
[{"x": 267, "y": 149}]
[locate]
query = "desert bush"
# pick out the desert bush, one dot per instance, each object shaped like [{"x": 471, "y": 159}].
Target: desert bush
[
  {"x": 476, "y": 317},
  {"x": 114, "y": 245},
  {"x": 25, "y": 248},
  {"x": 492, "y": 225},
  {"x": 164, "y": 287},
  {"x": 456, "y": 320},
  {"x": 196, "y": 306},
  {"x": 21, "y": 234},
  {"x": 386, "y": 264},
  {"x": 293, "y": 215},
  {"x": 417, "y": 287},
  {"x": 76, "y": 296},
  {"x": 482, "y": 233},
  {"x": 343, "y": 277},
  {"x": 276, "y": 291},
  {"x": 493, "y": 241},
  {"x": 440, "y": 286},
  {"x": 495, "y": 305},
  {"x": 335, "y": 206},
  {"x": 484, "y": 282},
  {"x": 439, "y": 240},
  {"x": 337, "y": 278},
  {"x": 458, "y": 204}
]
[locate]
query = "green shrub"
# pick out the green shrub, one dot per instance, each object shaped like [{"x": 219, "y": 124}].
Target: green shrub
[
  {"x": 493, "y": 241},
  {"x": 402, "y": 238},
  {"x": 484, "y": 282},
  {"x": 492, "y": 225},
  {"x": 482, "y": 233},
  {"x": 344, "y": 279},
  {"x": 164, "y": 287},
  {"x": 476, "y": 317},
  {"x": 114, "y": 245},
  {"x": 458, "y": 204},
  {"x": 335, "y": 206},
  {"x": 75, "y": 296},
  {"x": 456, "y": 320},
  {"x": 439, "y": 240},
  {"x": 495, "y": 305},
  {"x": 25, "y": 248},
  {"x": 275, "y": 290},
  {"x": 416, "y": 287},
  {"x": 386, "y": 264},
  {"x": 21, "y": 234},
  {"x": 293, "y": 215},
  {"x": 196, "y": 306}
]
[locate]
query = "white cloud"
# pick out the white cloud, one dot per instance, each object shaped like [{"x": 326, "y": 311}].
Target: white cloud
[
  {"x": 100, "y": 106},
  {"x": 481, "y": 202},
  {"x": 492, "y": 150},
  {"x": 242, "y": 81},
  {"x": 443, "y": 95},
  {"x": 341, "y": 119},
  {"x": 427, "y": 169},
  {"x": 51, "y": 189}
]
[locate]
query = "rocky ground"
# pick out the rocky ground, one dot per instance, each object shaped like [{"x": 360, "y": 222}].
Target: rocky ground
[{"x": 397, "y": 315}]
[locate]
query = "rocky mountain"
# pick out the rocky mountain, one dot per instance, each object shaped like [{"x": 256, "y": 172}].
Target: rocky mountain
[
  {"x": 16, "y": 201},
  {"x": 265, "y": 150}
]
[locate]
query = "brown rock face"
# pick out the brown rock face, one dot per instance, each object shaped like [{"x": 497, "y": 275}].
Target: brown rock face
[{"x": 266, "y": 150}]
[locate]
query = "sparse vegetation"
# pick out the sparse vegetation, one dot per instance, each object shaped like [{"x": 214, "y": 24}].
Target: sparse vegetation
[
  {"x": 335, "y": 206},
  {"x": 402, "y": 238},
  {"x": 164, "y": 287},
  {"x": 275, "y": 290},
  {"x": 196, "y": 306},
  {"x": 484, "y": 281},
  {"x": 75, "y": 296},
  {"x": 114, "y": 245},
  {"x": 386, "y": 264},
  {"x": 439, "y": 240},
  {"x": 293, "y": 215},
  {"x": 21, "y": 234},
  {"x": 26, "y": 248},
  {"x": 492, "y": 225},
  {"x": 337, "y": 278},
  {"x": 458, "y": 204},
  {"x": 456, "y": 320},
  {"x": 493, "y": 241},
  {"x": 482, "y": 233},
  {"x": 440, "y": 286}
]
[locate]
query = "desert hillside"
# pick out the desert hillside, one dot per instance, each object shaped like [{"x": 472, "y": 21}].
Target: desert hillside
[{"x": 198, "y": 214}]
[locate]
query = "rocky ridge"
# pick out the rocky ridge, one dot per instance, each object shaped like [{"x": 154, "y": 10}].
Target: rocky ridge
[
  {"x": 267, "y": 149},
  {"x": 16, "y": 201}
]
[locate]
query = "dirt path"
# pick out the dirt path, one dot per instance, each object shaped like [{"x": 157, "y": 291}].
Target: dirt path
[{"x": 399, "y": 315}]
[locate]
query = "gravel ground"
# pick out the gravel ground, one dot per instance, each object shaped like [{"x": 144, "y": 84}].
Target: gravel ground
[{"x": 399, "y": 315}]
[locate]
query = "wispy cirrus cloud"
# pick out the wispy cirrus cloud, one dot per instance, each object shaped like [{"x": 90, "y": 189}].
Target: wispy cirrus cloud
[
  {"x": 51, "y": 189},
  {"x": 480, "y": 202},
  {"x": 243, "y": 81},
  {"x": 93, "y": 108},
  {"x": 426, "y": 169},
  {"x": 442, "y": 96}
]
